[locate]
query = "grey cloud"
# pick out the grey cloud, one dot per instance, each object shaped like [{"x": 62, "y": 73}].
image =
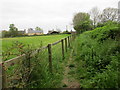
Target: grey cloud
[{"x": 46, "y": 13}]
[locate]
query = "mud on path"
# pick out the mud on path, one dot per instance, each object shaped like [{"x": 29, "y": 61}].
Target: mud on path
[{"x": 70, "y": 78}]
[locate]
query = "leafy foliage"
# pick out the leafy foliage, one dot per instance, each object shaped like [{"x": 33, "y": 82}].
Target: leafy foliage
[
  {"x": 33, "y": 71},
  {"x": 82, "y": 22},
  {"x": 13, "y": 30},
  {"x": 99, "y": 53}
]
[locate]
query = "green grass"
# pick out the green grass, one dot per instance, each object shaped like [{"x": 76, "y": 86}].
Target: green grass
[
  {"x": 40, "y": 76},
  {"x": 34, "y": 42},
  {"x": 98, "y": 54}
]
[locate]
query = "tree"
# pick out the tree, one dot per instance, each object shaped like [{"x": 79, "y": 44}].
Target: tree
[
  {"x": 118, "y": 12},
  {"x": 38, "y": 29},
  {"x": 109, "y": 14},
  {"x": 13, "y": 31},
  {"x": 82, "y": 22},
  {"x": 94, "y": 14}
]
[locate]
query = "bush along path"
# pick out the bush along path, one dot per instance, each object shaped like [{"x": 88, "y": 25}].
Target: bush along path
[
  {"x": 97, "y": 57},
  {"x": 70, "y": 69},
  {"x": 94, "y": 59}
]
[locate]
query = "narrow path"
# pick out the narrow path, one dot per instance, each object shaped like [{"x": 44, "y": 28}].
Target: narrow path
[{"x": 70, "y": 79}]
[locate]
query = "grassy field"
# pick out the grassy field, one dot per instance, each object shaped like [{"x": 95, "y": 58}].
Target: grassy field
[
  {"x": 35, "y": 41},
  {"x": 40, "y": 76}
]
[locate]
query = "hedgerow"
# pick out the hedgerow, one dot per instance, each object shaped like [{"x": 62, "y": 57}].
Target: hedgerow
[{"x": 98, "y": 55}]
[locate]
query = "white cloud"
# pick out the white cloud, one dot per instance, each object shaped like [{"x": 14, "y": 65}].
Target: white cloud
[{"x": 46, "y": 13}]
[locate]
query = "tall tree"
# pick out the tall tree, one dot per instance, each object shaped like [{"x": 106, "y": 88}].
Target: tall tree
[
  {"x": 94, "y": 14},
  {"x": 38, "y": 29},
  {"x": 118, "y": 12},
  {"x": 82, "y": 22},
  {"x": 109, "y": 14},
  {"x": 13, "y": 30}
]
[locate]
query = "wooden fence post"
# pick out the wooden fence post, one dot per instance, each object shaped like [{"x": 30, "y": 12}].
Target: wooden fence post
[
  {"x": 62, "y": 41},
  {"x": 68, "y": 41},
  {"x": 66, "y": 44},
  {"x": 4, "y": 78},
  {"x": 50, "y": 57},
  {"x": 74, "y": 36},
  {"x": 71, "y": 37}
]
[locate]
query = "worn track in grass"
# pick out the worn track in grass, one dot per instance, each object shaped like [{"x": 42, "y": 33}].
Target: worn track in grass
[{"x": 70, "y": 78}]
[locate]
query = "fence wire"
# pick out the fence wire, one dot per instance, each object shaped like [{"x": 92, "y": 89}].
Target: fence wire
[
  {"x": 56, "y": 57},
  {"x": 33, "y": 70}
]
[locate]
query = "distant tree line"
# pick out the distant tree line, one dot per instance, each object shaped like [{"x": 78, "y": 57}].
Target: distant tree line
[
  {"x": 81, "y": 22},
  {"x": 13, "y": 32},
  {"x": 87, "y": 21}
]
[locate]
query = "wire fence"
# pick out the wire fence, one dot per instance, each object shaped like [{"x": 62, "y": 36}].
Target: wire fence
[{"x": 23, "y": 70}]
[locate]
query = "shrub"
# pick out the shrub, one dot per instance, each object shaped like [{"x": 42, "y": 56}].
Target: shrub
[{"x": 99, "y": 52}]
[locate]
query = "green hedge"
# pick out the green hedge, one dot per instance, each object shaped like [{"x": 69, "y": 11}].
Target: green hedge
[{"x": 98, "y": 54}]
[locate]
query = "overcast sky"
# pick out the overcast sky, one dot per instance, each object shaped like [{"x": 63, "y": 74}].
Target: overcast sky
[{"x": 47, "y": 14}]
